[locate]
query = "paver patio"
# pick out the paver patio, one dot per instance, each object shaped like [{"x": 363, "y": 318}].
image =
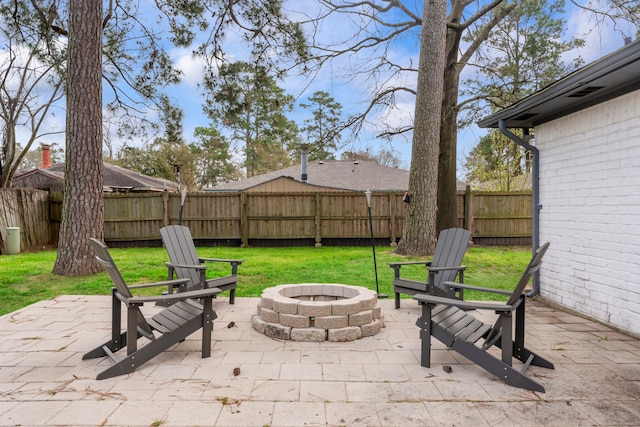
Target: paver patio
[{"x": 374, "y": 381}]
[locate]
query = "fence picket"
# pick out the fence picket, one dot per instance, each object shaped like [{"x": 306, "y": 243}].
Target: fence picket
[{"x": 248, "y": 218}]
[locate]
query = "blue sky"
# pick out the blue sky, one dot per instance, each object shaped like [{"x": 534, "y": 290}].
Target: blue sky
[{"x": 351, "y": 91}]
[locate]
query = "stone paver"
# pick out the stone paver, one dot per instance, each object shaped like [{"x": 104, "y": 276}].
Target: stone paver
[{"x": 374, "y": 381}]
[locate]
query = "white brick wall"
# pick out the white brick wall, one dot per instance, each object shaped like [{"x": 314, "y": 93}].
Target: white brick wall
[{"x": 590, "y": 192}]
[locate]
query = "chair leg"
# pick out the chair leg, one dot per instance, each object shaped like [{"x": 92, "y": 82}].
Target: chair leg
[
  {"x": 496, "y": 367},
  {"x": 112, "y": 345},
  {"x": 486, "y": 360},
  {"x": 150, "y": 350},
  {"x": 397, "y": 300},
  {"x": 208, "y": 316},
  {"x": 424, "y": 322},
  {"x": 506, "y": 338},
  {"x": 232, "y": 296}
]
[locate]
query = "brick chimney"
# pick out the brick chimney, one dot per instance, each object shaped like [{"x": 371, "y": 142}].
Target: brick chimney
[{"x": 46, "y": 156}]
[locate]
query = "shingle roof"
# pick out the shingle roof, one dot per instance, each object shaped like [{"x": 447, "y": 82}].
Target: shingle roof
[
  {"x": 115, "y": 178},
  {"x": 345, "y": 175},
  {"x": 610, "y": 76}
]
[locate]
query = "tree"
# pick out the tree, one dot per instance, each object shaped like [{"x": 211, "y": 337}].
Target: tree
[
  {"x": 82, "y": 216},
  {"x": 421, "y": 212},
  {"x": 497, "y": 164},
  {"x": 213, "y": 159},
  {"x": 30, "y": 84},
  {"x": 382, "y": 157},
  {"x": 322, "y": 131},
  {"x": 206, "y": 162},
  {"x": 481, "y": 23},
  {"x": 135, "y": 58},
  {"x": 522, "y": 55},
  {"x": 381, "y": 25},
  {"x": 161, "y": 158},
  {"x": 166, "y": 156},
  {"x": 388, "y": 158},
  {"x": 247, "y": 100}
]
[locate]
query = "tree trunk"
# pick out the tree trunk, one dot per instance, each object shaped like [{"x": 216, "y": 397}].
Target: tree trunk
[
  {"x": 83, "y": 210},
  {"x": 8, "y": 146},
  {"x": 419, "y": 233},
  {"x": 447, "y": 172}
]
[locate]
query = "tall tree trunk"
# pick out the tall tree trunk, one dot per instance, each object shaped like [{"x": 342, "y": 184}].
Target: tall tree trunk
[
  {"x": 447, "y": 172},
  {"x": 83, "y": 210},
  {"x": 419, "y": 233}
]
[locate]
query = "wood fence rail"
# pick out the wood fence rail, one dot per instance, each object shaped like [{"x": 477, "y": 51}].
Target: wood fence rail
[{"x": 305, "y": 218}]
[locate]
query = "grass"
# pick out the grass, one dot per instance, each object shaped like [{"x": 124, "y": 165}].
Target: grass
[{"x": 26, "y": 278}]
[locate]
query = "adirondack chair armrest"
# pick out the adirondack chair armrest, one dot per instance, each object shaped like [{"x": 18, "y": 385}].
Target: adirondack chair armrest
[
  {"x": 456, "y": 285},
  {"x": 463, "y": 304},
  {"x": 231, "y": 261},
  {"x": 439, "y": 269},
  {"x": 170, "y": 284},
  {"x": 171, "y": 265},
  {"x": 165, "y": 283},
  {"x": 234, "y": 263},
  {"x": 400, "y": 264},
  {"x": 200, "y": 293},
  {"x": 396, "y": 266}
]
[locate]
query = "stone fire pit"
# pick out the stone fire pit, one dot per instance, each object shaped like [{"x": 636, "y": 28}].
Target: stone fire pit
[{"x": 318, "y": 312}]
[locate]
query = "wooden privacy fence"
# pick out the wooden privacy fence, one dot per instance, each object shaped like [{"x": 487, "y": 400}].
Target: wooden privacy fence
[
  {"x": 255, "y": 218},
  {"x": 27, "y": 209},
  {"x": 245, "y": 218}
]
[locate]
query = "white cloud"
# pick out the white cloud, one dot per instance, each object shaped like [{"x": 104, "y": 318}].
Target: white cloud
[
  {"x": 600, "y": 38},
  {"x": 340, "y": 77},
  {"x": 191, "y": 67}
]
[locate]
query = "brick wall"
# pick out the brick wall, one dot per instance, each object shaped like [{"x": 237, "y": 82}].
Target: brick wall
[{"x": 590, "y": 192}]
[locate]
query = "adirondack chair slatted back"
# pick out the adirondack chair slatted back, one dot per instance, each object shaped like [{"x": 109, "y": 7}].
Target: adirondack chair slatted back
[
  {"x": 181, "y": 250},
  {"x": 445, "y": 266},
  {"x": 104, "y": 257},
  {"x": 450, "y": 248},
  {"x": 534, "y": 265}
]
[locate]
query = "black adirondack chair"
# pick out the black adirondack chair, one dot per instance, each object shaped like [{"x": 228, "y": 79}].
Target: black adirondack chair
[
  {"x": 173, "y": 324},
  {"x": 185, "y": 263},
  {"x": 445, "y": 266},
  {"x": 446, "y": 320}
]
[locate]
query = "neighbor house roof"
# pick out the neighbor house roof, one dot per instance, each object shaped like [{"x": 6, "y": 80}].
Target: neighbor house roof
[
  {"x": 344, "y": 175},
  {"x": 358, "y": 175},
  {"x": 609, "y": 77},
  {"x": 115, "y": 179}
]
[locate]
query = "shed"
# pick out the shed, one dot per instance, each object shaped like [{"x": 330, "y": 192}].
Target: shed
[{"x": 587, "y": 138}]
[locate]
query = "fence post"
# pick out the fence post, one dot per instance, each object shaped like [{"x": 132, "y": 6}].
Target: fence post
[
  {"x": 165, "y": 208},
  {"x": 244, "y": 219},
  {"x": 468, "y": 211},
  {"x": 318, "y": 219},
  {"x": 391, "y": 199}
]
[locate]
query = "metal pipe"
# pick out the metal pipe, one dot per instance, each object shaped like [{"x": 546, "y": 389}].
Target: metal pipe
[
  {"x": 373, "y": 243},
  {"x": 304, "y": 149},
  {"x": 535, "y": 196}
]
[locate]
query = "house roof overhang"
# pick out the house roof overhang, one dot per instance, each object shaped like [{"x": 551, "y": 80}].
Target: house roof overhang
[{"x": 609, "y": 77}]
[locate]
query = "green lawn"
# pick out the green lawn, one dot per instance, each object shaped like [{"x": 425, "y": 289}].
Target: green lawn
[{"x": 26, "y": 278}]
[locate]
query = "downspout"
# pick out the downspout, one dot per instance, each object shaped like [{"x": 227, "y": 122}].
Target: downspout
[{"x": 535, "y": 197}]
